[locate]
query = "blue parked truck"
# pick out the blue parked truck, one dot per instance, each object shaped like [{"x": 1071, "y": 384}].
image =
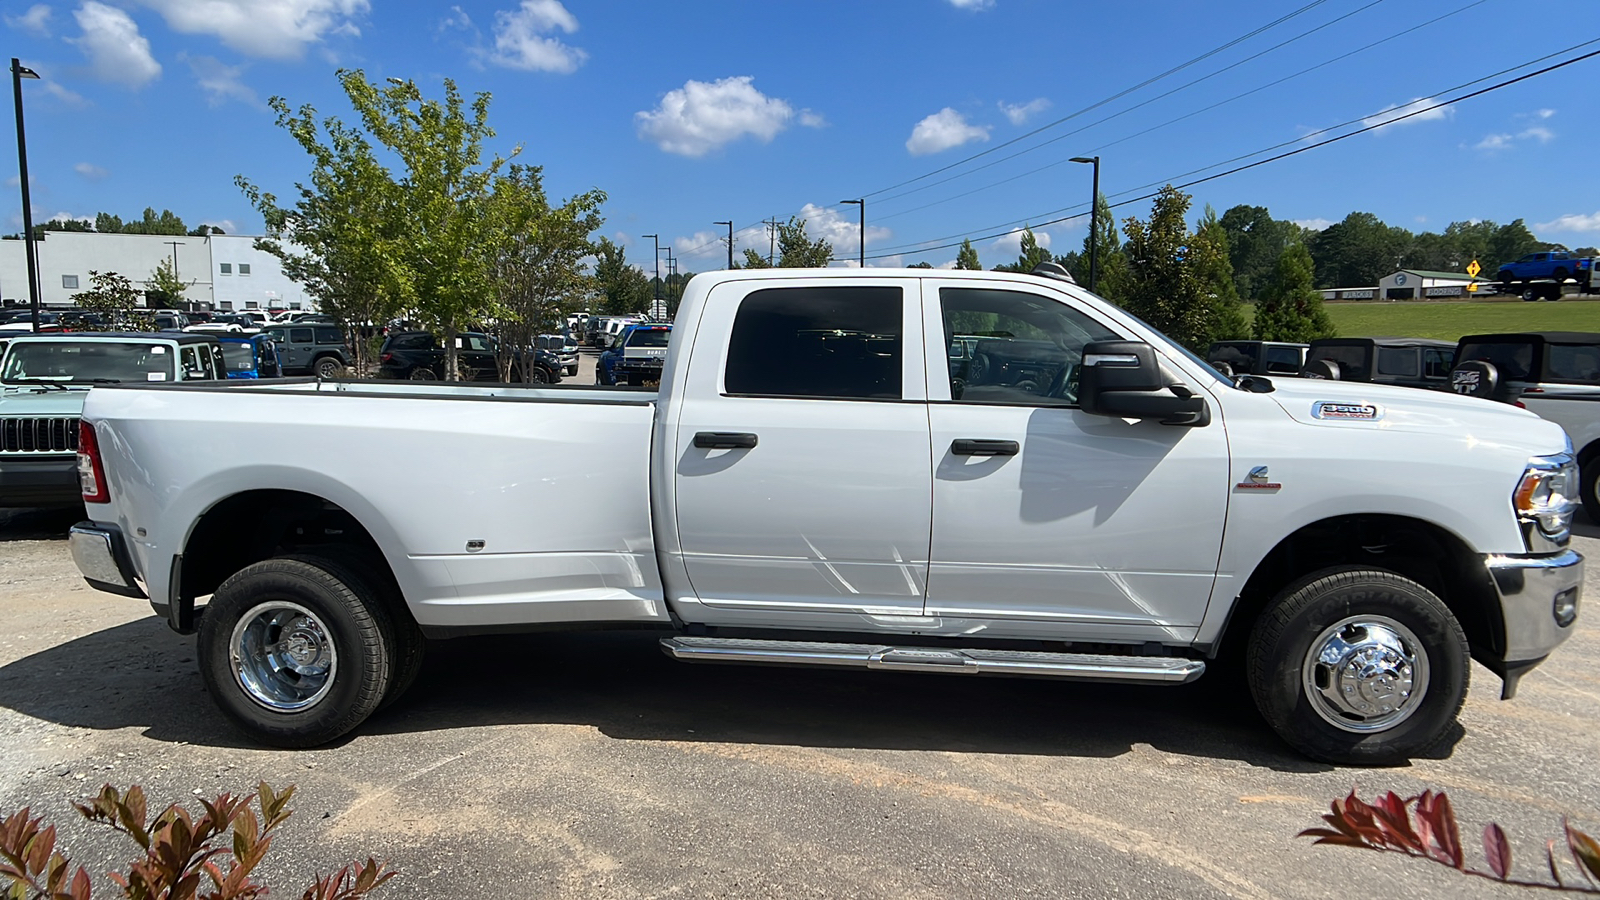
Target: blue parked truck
[
  {"x": 1540, "y": 275},
  {"x": 636, "y": 357}
]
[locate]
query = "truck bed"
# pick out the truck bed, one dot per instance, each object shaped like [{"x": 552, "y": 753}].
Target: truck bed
[{"x": 553, "y": 481}]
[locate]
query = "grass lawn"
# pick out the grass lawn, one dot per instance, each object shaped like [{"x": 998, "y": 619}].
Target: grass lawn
[{"x": 1452, "y": 320}]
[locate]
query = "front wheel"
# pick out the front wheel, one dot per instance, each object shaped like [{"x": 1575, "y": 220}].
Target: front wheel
[
  {"x": 537, "y": 375},
  {"x": 329, "y": 367},
  {"x": 297, "y": 651},
  {"x": 422, "y": 373},
  {"x": 1359, "y": 667}
]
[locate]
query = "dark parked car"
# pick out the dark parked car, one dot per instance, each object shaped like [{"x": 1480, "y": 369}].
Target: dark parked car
[
  {"x": 563, "y": 346},
  {"x": 636, "y": 357},
  {"x": 1257, "y": 357},
  {"x": 1408, "y": 362},
  {"x": 311, "y": 349},
  {"x": 418, "y": 356},
  {"x": 250, "y": 356}
]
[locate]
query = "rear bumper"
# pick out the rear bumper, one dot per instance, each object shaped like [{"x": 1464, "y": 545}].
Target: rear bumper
[
  {"x": 102, "y": 557},
  {"x": 1539, "y": 598},
  {"x": 39, "y": 481}
]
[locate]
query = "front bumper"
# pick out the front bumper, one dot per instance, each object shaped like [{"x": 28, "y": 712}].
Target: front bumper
[
  {"x": 39, "y": 481},
  {"x": 1536, "y": 594},
  {"x": 102, "y": 557}
]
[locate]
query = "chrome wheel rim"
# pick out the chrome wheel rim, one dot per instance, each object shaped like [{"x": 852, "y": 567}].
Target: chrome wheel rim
[
  {"x": 1365, "y": 674},
  {"x": 283, "y": 656}
]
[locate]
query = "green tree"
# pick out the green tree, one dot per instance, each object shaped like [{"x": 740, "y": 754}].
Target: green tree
[
  {"x": 968, "y": 257},
  {"x": 1255, "y": 241},
  {"x": 754, "y": 260},
  {"x": 166, "y": 222},
  {"x": 1509, "y": 243},
  {"x": 920, "y": 265},
  {"x": 165, "y": 287},
  {"x": 111, "y": 295},
  {"x": 1357, "y": 251},
  {"x": 796, "y": 249},
  {"x": 1209, "y": 256},
  {"x": 1112, "y": 264},
  {"x": 623, "y": 287},
  {"x": 1172, "y": 274},
  {"x": 1029, "y": 257},
  {"x": 205, "y": 231},
  {"x": 1289, "y": 307}
]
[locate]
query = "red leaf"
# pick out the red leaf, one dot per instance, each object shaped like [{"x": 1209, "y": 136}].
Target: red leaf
[{"x": 1497, "y": 849}]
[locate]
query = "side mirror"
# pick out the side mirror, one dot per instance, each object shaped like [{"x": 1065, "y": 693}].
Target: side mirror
[{"x": 1123, "y": 379}]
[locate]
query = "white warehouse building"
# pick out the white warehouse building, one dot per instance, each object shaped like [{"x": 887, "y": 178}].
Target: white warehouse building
[{"x": 225, "y": 271}]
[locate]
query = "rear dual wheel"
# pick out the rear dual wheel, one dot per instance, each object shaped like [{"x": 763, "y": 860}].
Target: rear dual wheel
[
  {"x": 1359, "y": 667},
  {"x": 299, "y": 650}
]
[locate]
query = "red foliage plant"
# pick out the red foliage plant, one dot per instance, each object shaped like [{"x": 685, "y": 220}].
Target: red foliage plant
[
  {"x": 185, "y": 858},
  {"x": 1425, "y": 826}
]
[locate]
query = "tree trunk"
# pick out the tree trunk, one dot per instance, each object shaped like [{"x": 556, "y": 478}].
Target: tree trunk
[{"x": 452, "y": 367}]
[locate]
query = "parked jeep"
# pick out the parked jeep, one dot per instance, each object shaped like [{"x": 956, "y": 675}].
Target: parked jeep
[
  {"x": 43, "y": 381},
  {"x": 311, "y": 349},
  {"x": 1554, "y": 374},
  {"x": 1407, "y": 362}
]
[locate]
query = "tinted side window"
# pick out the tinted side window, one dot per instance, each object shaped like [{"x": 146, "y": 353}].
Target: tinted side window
[
  {"x": 1012, "y": 347},
  {"x": 1401, "y": 361},
  {"x": 1352, "y": 360},
  {"x": 299, "y": 335},
  {"x": 412, "y": 342},
  {"x": 1514, "y": 360},
  {"x": 1437, "y": 363},
  {"x": 1283, "y": 361},
  {"x": 1573, "y": 362},
  {"x": 329, "y": 334},
  {"x": 832, "y": 342}
]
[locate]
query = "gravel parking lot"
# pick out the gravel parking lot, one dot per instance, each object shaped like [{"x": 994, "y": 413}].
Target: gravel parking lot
[{"x": 589, "y": 765}]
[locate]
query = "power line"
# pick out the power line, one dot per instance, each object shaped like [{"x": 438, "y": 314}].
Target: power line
[
  {"x": 1111, "y": 99},
  {"x": 1299, "y": 150},
  {"x": 1397, "y": 35}
]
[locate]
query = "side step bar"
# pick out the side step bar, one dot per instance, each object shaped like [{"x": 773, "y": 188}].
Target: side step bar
[{"x": 1082, "y": 666}]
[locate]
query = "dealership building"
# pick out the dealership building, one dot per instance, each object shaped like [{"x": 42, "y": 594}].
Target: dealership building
[
  {"x": 1409, "y": 284},
  {"x": 225, "y": 272}
]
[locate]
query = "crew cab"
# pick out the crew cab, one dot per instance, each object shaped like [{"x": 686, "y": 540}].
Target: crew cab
[
  {"x": 44, "y": 379},
  {"x": 811, "y": 486}
]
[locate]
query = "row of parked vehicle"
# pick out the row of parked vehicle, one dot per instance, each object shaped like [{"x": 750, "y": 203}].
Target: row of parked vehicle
[{"x": 1555, "y": 374}]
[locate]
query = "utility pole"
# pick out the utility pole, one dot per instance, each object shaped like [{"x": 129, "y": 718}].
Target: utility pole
[
  {"x": 772, "y": 238},
  {"x": 862, "y": 261},
  {"x": 1094, "y": 220},
  {"x": 655, "y": 240},
  {"x": 730, "y": 241},
  {"x": 19, "y": 72},
  {"x": 672, "y": 272}
]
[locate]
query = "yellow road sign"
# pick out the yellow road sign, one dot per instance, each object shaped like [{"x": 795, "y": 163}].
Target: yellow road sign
[
  {"x": 1472, "y": 288},
  {"x": 1473, "y": 268}
]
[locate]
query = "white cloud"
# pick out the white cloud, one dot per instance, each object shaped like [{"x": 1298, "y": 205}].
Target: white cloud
[
  {"x": 1019, "y": 113},
  {"x": 458, "y": 20},
  {"x": 276, "y": 29},
  {"x": 520, "y": 40},
  {"x": 1317, "y": 224},
  {"x": 1539, "y": 133},
  {"x": 841, "y": 228},
  {"x": 1010, "y": 245},
  {"x": 36, "y": 21},
  {"x": 1572, "y": 222},
  {"x": 221, "y": 82},
  {"x": 90, "y": 171},
  {"x": 972, "y": 4},
  {"x": 699, "y": 117},
  {"x": 69, "y": 217},
  {"x": 1389, "y": 116},
  {"x": 810, "y": 118},
  {"x": 1492, "y": 142},
  {"x": 1545, "y": 113},
  {"x": 943, "y": 130},
  {"x": 116, "y": 51},
  {"x": 70, "y": 98}
]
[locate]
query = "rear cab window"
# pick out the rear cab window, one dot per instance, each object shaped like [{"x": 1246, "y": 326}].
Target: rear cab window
[{"x": 844, "y": 342}]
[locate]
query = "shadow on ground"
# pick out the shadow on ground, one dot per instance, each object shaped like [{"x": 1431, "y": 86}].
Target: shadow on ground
[
  {"x": 141, "y": 675},
  {"x": 38, "y": 524}
]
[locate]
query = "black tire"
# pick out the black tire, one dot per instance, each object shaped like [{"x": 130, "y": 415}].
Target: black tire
[
  {"x": 1589, "y": 486},
  {"x": 327, "y": 367},
  {"x": 422, "y": 373},
  {"x": 1560, "y": 275},
  {"x": 353, "y": 621},
  {"x": 537, "y": 375},
  {"x": 1476, "y": 378},
  {"x": 1279, "y": 669},
  {"x": 409, "y": 646}
]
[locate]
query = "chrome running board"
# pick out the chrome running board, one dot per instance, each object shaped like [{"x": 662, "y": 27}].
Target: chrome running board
[{"x": 1081, "y": 666}]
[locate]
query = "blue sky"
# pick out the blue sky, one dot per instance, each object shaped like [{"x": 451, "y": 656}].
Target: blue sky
[{"x": 689, "y": 113}]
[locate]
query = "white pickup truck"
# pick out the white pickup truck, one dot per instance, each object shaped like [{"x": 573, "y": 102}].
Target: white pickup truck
[{"x": 947, "y": 472}]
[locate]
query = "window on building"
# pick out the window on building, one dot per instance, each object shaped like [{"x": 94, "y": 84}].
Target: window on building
[
  {"x": 833, "y": 342},
  {"x": 225, "y": 268},
  {"x": 69, "y": 282},
  {"x": 244, "y": 268},
  {"x": 251, "y": 304},
  {"x": 227, "y": 305}
]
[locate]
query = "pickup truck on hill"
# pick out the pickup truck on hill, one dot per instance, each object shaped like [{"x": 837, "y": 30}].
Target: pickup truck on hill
[
  {"x": 1554, "y": 265},
  {"x": 810, "y": 486}
]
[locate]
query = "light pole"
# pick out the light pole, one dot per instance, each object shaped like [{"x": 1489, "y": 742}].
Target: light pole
[
  {"x": 730, "y": 241},
  {"x": 862, "y": 260},
  {"x": 655, "y": 240},
  {"x": 19, "y": 72},
  {"x": 1094, "y": 220}
]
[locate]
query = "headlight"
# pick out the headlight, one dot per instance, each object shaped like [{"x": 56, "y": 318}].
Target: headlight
[{"x": 1544, "y": 495}]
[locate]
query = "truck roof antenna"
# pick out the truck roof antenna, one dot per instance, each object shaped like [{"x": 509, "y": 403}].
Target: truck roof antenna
[{"x": 1054, "y": 270}]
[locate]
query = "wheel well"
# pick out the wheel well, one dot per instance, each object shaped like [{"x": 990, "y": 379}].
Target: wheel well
[
  {"x": 256, "y": 525},
  {"x": 1418, "y": 550}
]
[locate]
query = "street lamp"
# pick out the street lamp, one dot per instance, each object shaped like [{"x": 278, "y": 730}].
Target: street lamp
[
  {"x": 730, "y": 241},
  {"x": 19, "y": 72},
  {"x": 863, "y": 204},
  {"x": 655, "y": 240},
  {"x": 1094, "y": 220}
]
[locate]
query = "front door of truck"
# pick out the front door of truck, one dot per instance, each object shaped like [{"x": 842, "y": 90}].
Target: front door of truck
[
  {"x": 802, "y": 471},
  {"x": 1104, "y": 527}
]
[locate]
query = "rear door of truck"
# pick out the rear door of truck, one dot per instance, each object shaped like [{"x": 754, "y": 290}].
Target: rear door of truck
[{"x": 803, "y": 469}]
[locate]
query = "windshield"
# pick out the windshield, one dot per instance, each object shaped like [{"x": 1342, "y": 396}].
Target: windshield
[
  {"x": 241, "y": 357},
  {"x": 649, "y": 337},
  {"x": 86, "y": 362}
]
